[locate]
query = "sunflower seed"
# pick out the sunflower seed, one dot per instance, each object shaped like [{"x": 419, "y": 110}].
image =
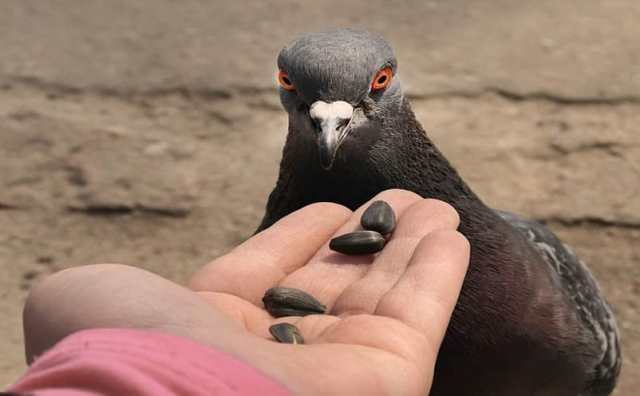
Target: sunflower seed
[
  {"x": 359, "y": 242},
  {"x": 287, "y": 301},
  {"x": 379, "y": 217},
  {"x": 286, "y": 333}
]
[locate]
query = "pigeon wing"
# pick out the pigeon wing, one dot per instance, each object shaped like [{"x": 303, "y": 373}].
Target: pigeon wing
[{"x": 583, "y": 290}]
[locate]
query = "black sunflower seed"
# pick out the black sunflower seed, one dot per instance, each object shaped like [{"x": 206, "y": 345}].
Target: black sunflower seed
[
  {"x": 358, "y": 242},
  {"x": 379, "y": 217},
  {"x": 287, "y": 301},
  {"x": 286, "y": 333}
]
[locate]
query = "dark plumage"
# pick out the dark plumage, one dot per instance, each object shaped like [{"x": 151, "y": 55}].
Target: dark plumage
[{"x": 530, "y": 319}]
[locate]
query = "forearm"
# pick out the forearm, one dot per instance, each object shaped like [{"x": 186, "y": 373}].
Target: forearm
[{"x": 140, "y": 362}]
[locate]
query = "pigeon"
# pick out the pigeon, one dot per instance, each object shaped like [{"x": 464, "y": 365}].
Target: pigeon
[{"x": 531, "y": 319}]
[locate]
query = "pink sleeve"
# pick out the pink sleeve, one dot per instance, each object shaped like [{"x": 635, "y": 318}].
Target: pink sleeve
[{"x": 137, "y": 362}]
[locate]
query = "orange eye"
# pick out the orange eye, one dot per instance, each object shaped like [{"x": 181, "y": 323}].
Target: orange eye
[
  {"x": 285, "y": 81},
  {"x": 382, "y": 79}
]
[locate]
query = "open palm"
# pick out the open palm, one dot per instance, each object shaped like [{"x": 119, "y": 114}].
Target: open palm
[{"x": 387, "y": 313}]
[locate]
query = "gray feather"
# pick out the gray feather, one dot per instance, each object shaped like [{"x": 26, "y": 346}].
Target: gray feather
[
  {"x": 582, "y": 289},
  {"x": 336, "y": 64}
]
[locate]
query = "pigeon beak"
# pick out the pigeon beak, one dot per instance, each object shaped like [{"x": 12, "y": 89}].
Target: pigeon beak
[{"x": 332, "y": 120}]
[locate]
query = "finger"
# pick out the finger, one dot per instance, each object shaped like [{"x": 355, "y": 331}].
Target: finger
[
  {"x": 418, "y": 220},
  {"x": 329, "y": 273},
  {"x": 265, "y": 259},
  {"x": 427, "y": 292}
]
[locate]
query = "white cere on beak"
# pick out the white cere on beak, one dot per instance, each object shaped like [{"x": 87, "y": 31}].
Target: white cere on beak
[
  {"x": 333, "y": 119},
  {"x": 338, "y": 111}
]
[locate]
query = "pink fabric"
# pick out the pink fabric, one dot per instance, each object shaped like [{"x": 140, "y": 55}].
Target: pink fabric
[{"x": 136, "y": 362}]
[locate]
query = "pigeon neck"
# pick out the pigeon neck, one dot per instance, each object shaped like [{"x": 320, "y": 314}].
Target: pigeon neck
[
  {"x": 400, "y": 156},
  {"x": 413, "y": 162}
]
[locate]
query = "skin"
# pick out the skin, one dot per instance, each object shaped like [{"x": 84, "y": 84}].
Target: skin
[{"x": 373, "y": 342}]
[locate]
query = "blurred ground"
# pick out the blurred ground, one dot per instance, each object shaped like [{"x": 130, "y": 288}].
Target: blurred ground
[{"x": 149, "y": 132}]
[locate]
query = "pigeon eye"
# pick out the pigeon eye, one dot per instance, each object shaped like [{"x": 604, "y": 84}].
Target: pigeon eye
[
  {"x": 285, "y": 81},
  {"x": 382, "y": 79}
]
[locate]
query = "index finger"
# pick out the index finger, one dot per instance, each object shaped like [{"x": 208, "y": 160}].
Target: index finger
[{"x": 265, "y": 259}]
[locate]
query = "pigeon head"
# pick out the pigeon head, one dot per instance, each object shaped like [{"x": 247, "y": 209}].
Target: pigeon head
[{"x": 336, "y": 86}]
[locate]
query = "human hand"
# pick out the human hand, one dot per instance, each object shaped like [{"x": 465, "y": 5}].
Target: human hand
[{"x": 387, "y": 312}]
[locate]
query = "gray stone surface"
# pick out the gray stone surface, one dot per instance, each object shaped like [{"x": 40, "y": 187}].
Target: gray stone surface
[
  {"x": 586, "y": 49},
  {"x": 554, "y": 162}
]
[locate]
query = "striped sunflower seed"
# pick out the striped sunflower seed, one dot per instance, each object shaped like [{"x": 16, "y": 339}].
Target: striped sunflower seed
[
  {"x": 379, "y": 217},
  {"x": 358, "y": 242},
  {"x": 286, "y": 301},
  {"x": 286, "y": 333}
]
